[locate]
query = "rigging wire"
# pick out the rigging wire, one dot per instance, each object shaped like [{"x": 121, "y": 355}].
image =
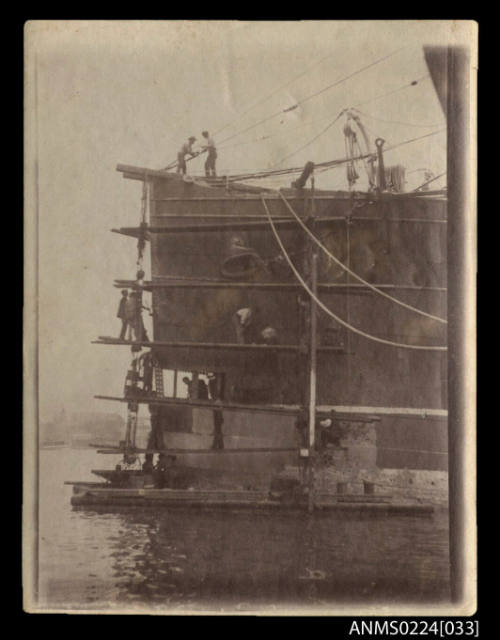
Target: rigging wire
[
  {"x": 408, "y": 124},
  {"x": 310, "y": 122},
  {"x": 317, "y": 93},
  {"x": 413, "y": 83},
  {"x": 352, "y": 273},
  {"x": 329, "y": 311},
  {"x": 330, "y": 86},
  {"x": 324, "y": 165},
  {"x": 401, "y": 144},
  {"x": 304, "y": 146},
  {"x": 429, "y": 181},
  {"x": 274, "y": 92}
]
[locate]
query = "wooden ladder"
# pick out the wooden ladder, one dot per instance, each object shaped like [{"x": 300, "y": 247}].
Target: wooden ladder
[{"x": 158, "y": 372}]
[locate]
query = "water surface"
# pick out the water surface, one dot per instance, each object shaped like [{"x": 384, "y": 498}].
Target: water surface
[{"x": 186, "y": 560}]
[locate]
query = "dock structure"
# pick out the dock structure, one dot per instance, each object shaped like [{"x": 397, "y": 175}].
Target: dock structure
[{"x": 102, "y": 495}]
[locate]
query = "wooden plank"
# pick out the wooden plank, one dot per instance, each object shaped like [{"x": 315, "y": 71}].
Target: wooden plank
[
  {"x": 249, "y": 226},
  {"x": 198, "y": 451},
  {"x": 291, "y": 410},
  {"x": 192, "y": 283},
  {"x": 211, "y": 345}
]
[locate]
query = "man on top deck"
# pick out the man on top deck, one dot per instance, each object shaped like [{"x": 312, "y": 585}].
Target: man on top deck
[
  {"x": 183, "y": 152},
  {"x": 212, "y": 155}
]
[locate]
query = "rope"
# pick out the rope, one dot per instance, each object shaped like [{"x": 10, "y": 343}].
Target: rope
[
  {"x": 310, "y": 141},
  {"x": 306, "y": 123},
  {"x": 322, "y": 165},
  {"x": 328, "y": 311},
  {"x": 427, "y": 135},
  {"x": 407, "y": 124},
  {"x": 310, "y": 122},
  {"x": 390, "y": 93},
  {"x": 274, "y": 92},
  {"x": 429, "y": 181},
  {"x": 352, "y": 273},
  {"x": 372, "y": 64},
  {"x": 300, "y": 102},
  {"x": 310, "y": 97}
]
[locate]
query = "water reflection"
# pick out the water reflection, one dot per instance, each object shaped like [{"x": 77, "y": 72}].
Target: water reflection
[
  {"x": 207, "y": 560},
  {"x": 196, "y": 559}
]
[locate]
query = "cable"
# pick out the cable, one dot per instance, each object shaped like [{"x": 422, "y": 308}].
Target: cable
[
  {"x": 407, "y": 124},
  {"x": 350, "y": 76},
  {"x": 320, "y": 167},
  {"x": 310, "y": 141},
  {"x": 390, "y": 93},
  {"x": 328, "y": 311},
  {"x": 401, "y": 144},
  {"x": 274, "y": 92},
  {"x": 317, "y": 93},
  {"x": 352, "y": 273},
  {"x": 429, "y": 181}
]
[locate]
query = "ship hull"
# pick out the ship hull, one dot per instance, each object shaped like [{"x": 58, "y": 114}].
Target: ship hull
[{"x": 398, "y": 242}]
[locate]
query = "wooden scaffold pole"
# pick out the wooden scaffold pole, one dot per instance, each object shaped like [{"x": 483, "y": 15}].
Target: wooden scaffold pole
[
  {"x": 312, "y": 380},
  {"x": 313, "y": 324}
]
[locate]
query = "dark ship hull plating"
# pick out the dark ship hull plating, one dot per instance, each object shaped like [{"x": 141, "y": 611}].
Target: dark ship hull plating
[{"x": 395, "y": 241}]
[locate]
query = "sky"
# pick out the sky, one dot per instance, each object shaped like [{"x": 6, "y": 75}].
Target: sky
[{"x": 132, "y": 92}]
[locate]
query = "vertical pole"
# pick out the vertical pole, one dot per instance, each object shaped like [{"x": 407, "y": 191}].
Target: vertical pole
[
  {"x": 312, "y": 358},
  {"x": 175, "y": 383},
  {"x": 134, "y": 426},
  {"x": 312, "y": 378},
  {"x": 461, "y": 329},
  {"x": 128, "y": 427},
  {"x": 194, "y": 387},
  {"x": 379, "y": 143},
  {"x": 147, "y": 208}
]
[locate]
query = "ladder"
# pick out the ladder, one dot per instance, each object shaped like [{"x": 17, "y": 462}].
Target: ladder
[{"x": 158, "y": 373}]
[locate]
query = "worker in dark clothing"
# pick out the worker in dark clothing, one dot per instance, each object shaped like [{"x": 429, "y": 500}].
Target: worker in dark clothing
[
  {"x": 160, "y": 477},
  {"x": 218, "y": 441},
  {"x": 147, "y": 465},
  {"x": 268, "y": 335},
  {"x": 198, "y": 392},
  {"x": 122, "y": 314},
  {"x": 202, "y": 390},
  {"x": 212, "y": 155},
  {"x": 189, "y": 386},
  {"x": 302, "y": 426},
  {"x": 130, "y": 310},
  {"x": 246, "y": 323},
  {"x": 185, "y": 150},
  {"x": 141, "y": 333},
  {"x": 213, "y": 386},
  {"x": 323, "y": 427},
  {"x": 146, "y": 361}
]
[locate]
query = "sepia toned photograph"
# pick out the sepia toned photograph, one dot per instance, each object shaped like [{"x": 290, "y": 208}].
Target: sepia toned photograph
[{"x": 249, "y": 317}]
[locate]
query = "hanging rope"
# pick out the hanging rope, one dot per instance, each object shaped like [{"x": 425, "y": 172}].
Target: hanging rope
[
  {"x": 328, "y": 311},
  {"x": 352, "y": 273}
]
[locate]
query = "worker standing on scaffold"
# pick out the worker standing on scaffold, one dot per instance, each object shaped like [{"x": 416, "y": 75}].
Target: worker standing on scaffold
[
  {"x": 212, "y": 155},
  {"x": 183, "y": 152}
]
